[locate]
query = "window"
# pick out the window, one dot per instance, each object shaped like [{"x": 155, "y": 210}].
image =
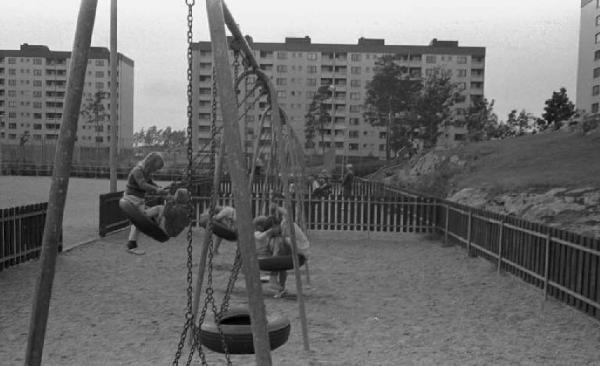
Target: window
[
  {"x": 37, "y": 83},
  {"x": 310, "y": 94},
  {"x": 355, "y": 70},
  {"x": 12, "y": 93},
  {"x": 596, "y": 72},
  {"x": 281, "y": 68},
  {"x": 12, "y": 60},
  {"x": 37, "y": 126},
  {"x": 281, "y": 55},
  {"x": 430, "y": 59},
  {"x": 99, "y": 74},
  {"x": 355, "y": 96},
  {"x": 461, "y": 73},
  {"x": 354, "y": 121},
  {"x": 354, "y": 109},
  {"x": 596, "y": 90},
  {"x": 281, "y": 94},
  {"x": 461, "y": 59},
  {"x": 37, "y": 104},
  {"x": 595, "y": 108},
  {"x": 37, "y": 94},
  {"x": 311, "y": 69},
  {"x": 353, "y": 134},
  {"x": 12, "y": 136},
  {"x": 37, "y": 116},
  {"x": 100, "y": 85},
  {"x": 281, "y": 81},
  {"x": 12, "y": 103},
  {"x": 12, "y": 114},
  {"x": 12, "y": 126},
  {"x": 353, "y": 146},
  {"x": 37, "y": 61},
  {"x": 355, "y": 57},
  {"x": 597, "y": 38},
  {"x": 355, "y": 83},
  {"x": 99, "y": 62},
  {"x": 12, "y": 71},
  {"x": 311, "y": 82},
  {"x": 311, "y": 56},
  {"x": 37, "y": 72}
]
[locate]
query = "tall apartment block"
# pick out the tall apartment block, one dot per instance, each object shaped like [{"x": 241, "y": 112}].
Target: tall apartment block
[
  {"x": 33, "y": 83},
  {"x": 298, "y": 67},
  {"x": 588, "y": 68}
]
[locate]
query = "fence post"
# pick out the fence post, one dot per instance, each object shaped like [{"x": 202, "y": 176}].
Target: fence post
[
  {"x": 469, "y": 223},
  {"x": 446, "y": 224},
  {"x": 546, "y": 264},
  {"x": 500, "y": 245}
]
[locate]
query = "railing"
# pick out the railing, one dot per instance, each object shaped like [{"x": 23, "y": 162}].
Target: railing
[
  {"x": 21, "y": 231},
  {"x": 562, "y": 264}
]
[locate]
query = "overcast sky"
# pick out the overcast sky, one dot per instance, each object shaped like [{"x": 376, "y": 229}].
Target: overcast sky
[{"x": 531, "y": 45}]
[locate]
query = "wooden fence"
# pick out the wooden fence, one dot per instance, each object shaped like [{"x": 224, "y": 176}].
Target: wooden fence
[
  {"x": 21, "y": 231},
  {"x": 562, "y": 264}
]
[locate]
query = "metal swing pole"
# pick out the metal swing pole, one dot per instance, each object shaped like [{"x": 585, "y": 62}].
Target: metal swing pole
[
  {"x": 236, "y": 164},
  {"x": 60, "y": 182},
  {"x": 113, "y": 96}
]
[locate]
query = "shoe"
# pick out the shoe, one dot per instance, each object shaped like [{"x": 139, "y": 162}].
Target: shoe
[
  {"x": 131, "y": 244},
  {"x": 280, "y": 294},
  {"x": 136, "y": 251}
]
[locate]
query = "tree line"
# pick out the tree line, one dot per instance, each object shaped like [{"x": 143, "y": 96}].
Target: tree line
[
  {"x": 415, "y": 110},
  {"x": 166, "y": 138}
]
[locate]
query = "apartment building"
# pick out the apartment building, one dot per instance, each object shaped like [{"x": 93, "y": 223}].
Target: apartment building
[
  {"x": 33, "y": 83},
  {"x": 299, "y": 67},
  {"x": 588, "y": 68}
]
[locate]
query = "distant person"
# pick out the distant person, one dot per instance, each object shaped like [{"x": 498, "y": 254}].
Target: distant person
[
  {"x": 348, "y": 180},
  {"x": 173, "y": 216},
  {"x": 139, "y": 182}
]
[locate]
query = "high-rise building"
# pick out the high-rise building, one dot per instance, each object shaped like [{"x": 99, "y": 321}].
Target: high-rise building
[
  {"x": 588, "y": 69},
  {"x": 299, "y": 67},
  {"x": 33, "y": 83}
]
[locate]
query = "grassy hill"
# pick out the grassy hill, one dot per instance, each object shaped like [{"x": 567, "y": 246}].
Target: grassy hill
[{"x": 537, "y": 161}]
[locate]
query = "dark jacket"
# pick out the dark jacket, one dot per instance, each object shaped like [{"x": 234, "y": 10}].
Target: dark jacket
[{"x": 176, "y": 217}]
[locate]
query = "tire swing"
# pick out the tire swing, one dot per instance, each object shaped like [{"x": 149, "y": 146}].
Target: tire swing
[
  {"x": 279, "y": 263},
  {"x": 218, "y": 228},
  {"x": 142, "y": 222},
  {"x": 237, "y": 333}
]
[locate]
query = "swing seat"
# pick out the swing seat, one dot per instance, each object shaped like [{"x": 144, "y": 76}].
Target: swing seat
[
  {"x": 218, "y": 228},
  {"x": 279, "y": 263},
  {"x": 144, "y": 223},
  {"x": 237, "y": 332}
]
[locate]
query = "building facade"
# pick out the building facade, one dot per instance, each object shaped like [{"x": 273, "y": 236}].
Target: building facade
[
  {"x": 299, "y": 67},
  {"x": 588, "y": 67},
  {"x": 33, "y": 83}
]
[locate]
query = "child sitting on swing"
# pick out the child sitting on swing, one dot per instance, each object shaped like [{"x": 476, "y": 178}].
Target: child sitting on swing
[{"x": 173, "y": 216}]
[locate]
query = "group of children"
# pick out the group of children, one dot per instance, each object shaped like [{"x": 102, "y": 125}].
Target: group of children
[{"x": 272, "y": 233}]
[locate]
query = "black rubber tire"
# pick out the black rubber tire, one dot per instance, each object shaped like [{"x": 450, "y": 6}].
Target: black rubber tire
[
  {"x": 219, "y": 229},
  {"x": 237, "y": 332},
  {"x": 279, "y": 263},
  {"x": 144, "y": 224}
]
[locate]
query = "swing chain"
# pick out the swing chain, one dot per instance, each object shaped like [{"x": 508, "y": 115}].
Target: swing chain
[
  {"x": 237, "y": 265},
  {"x": 189, "y": 312}
]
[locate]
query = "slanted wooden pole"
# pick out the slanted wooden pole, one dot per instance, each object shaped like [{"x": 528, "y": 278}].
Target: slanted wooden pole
[
  {"x": 113, "y": 96},
  {"x": 60, "y": 182},
  {"x": 238, "y": 170}
]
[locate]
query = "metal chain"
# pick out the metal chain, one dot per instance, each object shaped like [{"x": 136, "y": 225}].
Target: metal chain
[
  {"x": 237, "y": 265},
  {"x": 189, "y": 313}
]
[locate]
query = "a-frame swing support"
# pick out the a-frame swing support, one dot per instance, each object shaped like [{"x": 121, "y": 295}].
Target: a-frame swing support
[
  {"x": 237, "y": 168},
  {"x": 60, "y": 182}
]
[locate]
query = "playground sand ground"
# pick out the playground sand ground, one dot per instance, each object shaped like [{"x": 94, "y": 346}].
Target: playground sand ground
[{"x": 373, "y": 299}]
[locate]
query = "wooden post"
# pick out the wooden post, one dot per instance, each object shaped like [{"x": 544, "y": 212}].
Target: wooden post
[
  {"x": 113, "y": 96},
  {"x": 469, "y": 223},
  {"x": 546, "y": 264},
  {"x": 237, "y": 169},
  {"x": 60, "y": 182},
  {"x": 446, "y": 224},
  {"x": 500, "y": 245}
]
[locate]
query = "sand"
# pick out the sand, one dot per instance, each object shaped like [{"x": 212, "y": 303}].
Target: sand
[{"x": 378, "y": 299}]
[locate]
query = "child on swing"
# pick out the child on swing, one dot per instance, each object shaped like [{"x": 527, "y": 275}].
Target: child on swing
[{"x": 172, "y": 217}]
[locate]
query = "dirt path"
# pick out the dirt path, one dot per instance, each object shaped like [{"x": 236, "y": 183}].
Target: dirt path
[{"x": 383, "y": 300}]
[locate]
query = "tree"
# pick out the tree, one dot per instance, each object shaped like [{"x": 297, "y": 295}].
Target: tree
[
  {"x": 433, "y": 106},
  {"x": 558, "y": 109},
  {"x": 480, "y": 120},
  {"x": 318, "y": 117},
  {"x": 94, "y": 112},
  {"x": 390, "y": 93}
]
